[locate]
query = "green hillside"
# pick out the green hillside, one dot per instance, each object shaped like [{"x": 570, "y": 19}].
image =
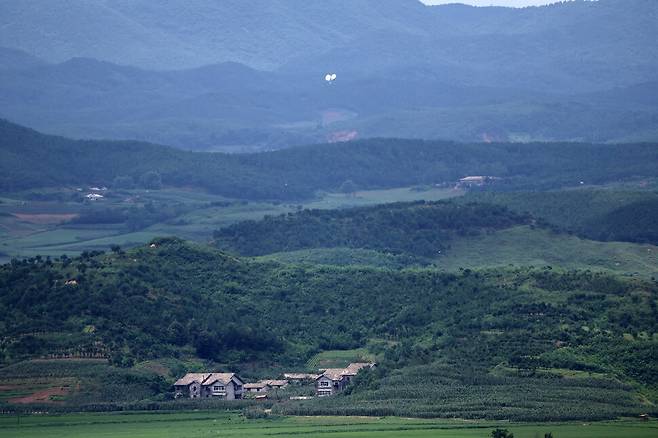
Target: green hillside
[
  {"x": 447, "y": 234},
  {"x": 516, "y": 246},
  {"x": 523, "y": 246},
  {"x": 421, "y": 229},
  {"x": 608, "y": 215},
  {"x": 451, "y": 331},
  {"x": 346, "y": 257},
  {"x": 31, "y": 160}
]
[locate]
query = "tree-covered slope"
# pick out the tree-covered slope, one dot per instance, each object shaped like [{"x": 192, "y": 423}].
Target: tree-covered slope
[
  {"x": 174, "y": 299},
  {"x": 231, "y": 107},
  {"x": 262, "y": 33},
  {"x": 420, "y": 229},
  {"x": 607, "y": 215},
  {"x": 537, "y": 47},
  {"x": 29, "y": 159}
]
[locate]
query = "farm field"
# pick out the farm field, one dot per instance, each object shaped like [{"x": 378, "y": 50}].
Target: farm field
[
  {"x": 30, "y": 228},
  {"x": 233, "y": 424}
]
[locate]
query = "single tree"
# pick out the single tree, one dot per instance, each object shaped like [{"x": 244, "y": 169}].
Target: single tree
[
  {"x": 501, "y": 433},
  {"x": 151, "y": 180}
]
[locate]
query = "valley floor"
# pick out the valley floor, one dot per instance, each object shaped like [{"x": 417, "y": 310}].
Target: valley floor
[
  {"x": 30, "y": 228},
  {"x": 206, "y": 424}
]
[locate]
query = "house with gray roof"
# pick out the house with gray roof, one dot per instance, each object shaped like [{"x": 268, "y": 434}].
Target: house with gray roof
[
  {"x": 333, "y": 380},
  {"x": 227, "y": 386}
]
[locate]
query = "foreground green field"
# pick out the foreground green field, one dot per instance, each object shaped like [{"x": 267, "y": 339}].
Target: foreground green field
[{"x": 206, "y": 424}]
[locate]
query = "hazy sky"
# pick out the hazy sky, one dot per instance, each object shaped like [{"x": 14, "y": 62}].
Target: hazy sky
[{"x": 511, "y": 3}]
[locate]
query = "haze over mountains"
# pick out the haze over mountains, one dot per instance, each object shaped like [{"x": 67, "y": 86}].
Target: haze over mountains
[{"x": 247, "y": 75}]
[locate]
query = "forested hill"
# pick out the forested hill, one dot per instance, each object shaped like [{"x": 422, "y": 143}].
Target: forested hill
[
  {"x": 418, "y": 229},
  {"x": 454, "y": 329},
  {"x": 29, "y": 159},
  {"x": 607, "y": 215}
]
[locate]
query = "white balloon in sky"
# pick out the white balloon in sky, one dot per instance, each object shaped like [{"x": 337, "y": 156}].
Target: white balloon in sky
[
  {"x": 333, "y": 77},
  {"x": 328, "y": 77}
]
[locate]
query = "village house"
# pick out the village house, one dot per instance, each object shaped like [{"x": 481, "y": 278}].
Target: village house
[
  {"x": 277, "y": 384},
  {"x": 226, "y": 386},
  {"x": 261, "y": 386},
  {"x": 265, "y": 385},
  {"x": 300, "y": 377},
  {"x": 334, "y": 380}
]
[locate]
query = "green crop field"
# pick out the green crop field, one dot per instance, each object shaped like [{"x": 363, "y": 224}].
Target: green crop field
[{"x": 209, "y": 424}]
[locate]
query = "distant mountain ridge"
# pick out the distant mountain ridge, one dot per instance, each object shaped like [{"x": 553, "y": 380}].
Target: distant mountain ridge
[
  {"x": 232, "y": 107},
  {"x": 247, "y": 75},
  {"x": 198, "y": 32},
  {"x": 267, "y": 34},
  {"x": 29, "y": 160}
]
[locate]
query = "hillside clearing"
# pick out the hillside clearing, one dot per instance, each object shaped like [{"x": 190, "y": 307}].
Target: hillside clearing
[{"x": 523, "y": 246}]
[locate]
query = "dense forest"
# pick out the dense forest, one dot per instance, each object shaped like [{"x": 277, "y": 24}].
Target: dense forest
[
  {"x": 421, "y": 228},
  {"x": 136, "y": 305},
  {"x": 29, "y": 159}
]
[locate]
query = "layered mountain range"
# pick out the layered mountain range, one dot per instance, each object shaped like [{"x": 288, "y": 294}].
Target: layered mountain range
[{"x": 245, "y": 75}]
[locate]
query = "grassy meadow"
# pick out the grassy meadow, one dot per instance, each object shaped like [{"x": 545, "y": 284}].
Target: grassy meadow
[
  {"x": 517, "y": 246},
  {"x": 523, "y": 246}
]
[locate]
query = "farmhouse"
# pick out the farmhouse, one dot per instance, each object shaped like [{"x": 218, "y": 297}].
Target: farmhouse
[
  {"x": 209, "y": 385},
  {"x": 300, "y": 377},
  {"x": 334, "y": 380},
  {"x": 261, "y": 386},
  {"x": 265, "y": 385},
  {"x": 277, "y": 384}
]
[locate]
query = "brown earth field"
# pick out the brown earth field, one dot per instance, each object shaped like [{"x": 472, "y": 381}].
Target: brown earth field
[{"x": 43, "y": 396}]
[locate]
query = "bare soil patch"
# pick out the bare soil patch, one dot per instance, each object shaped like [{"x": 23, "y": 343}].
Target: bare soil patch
[{"x": 43, "y": 396}]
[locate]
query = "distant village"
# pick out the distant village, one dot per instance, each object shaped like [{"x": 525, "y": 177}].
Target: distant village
[{"x": 229, "y": 386}]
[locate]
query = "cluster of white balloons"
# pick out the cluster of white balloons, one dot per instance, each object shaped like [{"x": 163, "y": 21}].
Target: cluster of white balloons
[{"x": 330, "y": 77}]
